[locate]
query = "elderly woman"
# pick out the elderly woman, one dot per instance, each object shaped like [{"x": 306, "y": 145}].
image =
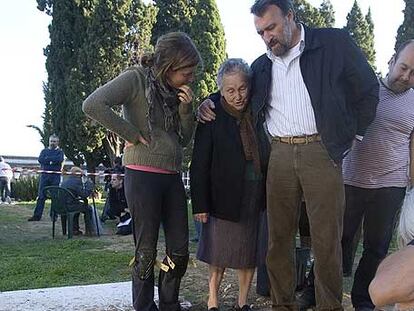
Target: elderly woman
[
  {"x": 157, "y": 122},
  {"x": 394, "y": 280},
  {"x": 227, "y": 187}
]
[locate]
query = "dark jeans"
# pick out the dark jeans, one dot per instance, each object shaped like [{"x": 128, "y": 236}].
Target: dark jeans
[
  {"x": 378, "y": 209},
  {"x": 155, "y": 198},
  {"x": 297, "y": 171},
  {"x": 45, "y": 181},
  {"x": 86, "y": 210},
  {"x": 4, "y": 188}
]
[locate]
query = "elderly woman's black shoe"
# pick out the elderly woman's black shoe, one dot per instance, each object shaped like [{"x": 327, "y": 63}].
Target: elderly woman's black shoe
[
  {"x": 213, "y": 309},
  {"x": 244, "y": 308}
]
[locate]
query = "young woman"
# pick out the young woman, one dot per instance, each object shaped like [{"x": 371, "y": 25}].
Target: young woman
[{"x": 157, "y": 122}]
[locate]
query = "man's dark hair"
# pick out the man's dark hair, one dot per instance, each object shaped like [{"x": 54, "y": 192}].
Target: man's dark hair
[
  {"x": 402, "y": 47},
  {"x": 260, "y": 6},
  {"x": 53, "y": 136}
]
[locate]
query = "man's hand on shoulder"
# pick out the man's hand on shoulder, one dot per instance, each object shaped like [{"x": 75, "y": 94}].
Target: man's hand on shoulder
[{"x": 205, "y": 111}]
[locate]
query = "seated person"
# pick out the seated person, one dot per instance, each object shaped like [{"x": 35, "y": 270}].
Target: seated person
[
  {"x": 116, "y": 203},
  {"x": 117, "y": 168},
  {"x": 81, "y": 190},
  {"x": 394, "y": 280}
]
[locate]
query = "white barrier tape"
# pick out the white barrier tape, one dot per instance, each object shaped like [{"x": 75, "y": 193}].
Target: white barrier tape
[{"x": 28, "y": 171}]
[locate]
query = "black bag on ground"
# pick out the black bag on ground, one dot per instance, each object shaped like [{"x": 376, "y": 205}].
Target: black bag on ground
[{"x": 125, "y": 225}]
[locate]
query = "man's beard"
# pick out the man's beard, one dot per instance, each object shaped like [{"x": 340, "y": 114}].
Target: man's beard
[
  {"x": 277, "y": 48},
  {"x": 280, "y": 48}
]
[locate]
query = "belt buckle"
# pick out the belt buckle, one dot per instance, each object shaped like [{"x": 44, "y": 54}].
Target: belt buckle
[
  {"x": 307, "y": 139},
  {"x": 291, "y": 140}
]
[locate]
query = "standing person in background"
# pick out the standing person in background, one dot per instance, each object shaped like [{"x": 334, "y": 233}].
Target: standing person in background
[
  {"x": 6, "y": 175},
  {"x": 50, "y": 159},
  {"x": 157, "y": 122},
  {"x": 377, "y": 171}
]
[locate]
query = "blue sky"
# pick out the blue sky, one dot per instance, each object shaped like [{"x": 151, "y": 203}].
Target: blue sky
[{"x": 24, "y": 34}]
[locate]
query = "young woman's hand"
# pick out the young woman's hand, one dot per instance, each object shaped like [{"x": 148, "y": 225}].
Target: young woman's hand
[
  {"x": 185, "y": 95},
  {"x": 141, "y": 140},
  {"x": 201, "y": 217}
]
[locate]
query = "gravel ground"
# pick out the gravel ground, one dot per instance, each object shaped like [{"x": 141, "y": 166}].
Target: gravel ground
[{"x": 102, "y": 297}]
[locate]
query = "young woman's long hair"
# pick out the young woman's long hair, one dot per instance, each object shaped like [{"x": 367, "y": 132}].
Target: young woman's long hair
[{"x": 174, "y": 50}]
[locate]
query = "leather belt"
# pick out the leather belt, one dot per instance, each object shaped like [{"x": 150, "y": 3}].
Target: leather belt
[{"x": 298, "y": 140}]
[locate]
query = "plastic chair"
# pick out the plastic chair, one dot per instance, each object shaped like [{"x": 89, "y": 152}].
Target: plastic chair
[{"x": 65, "y": 204}]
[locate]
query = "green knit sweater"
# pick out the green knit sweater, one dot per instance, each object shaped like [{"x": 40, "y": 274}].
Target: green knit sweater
[{"x": 128, "y": 90}]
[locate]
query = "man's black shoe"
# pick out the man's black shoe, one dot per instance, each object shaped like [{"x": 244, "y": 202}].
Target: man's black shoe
[
  {"x": 33, "y": 218},
  {"x": 305, "y": 298}
]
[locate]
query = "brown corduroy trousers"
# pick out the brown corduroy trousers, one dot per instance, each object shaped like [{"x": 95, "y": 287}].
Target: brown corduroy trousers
[{"x": 295, "y": 171}]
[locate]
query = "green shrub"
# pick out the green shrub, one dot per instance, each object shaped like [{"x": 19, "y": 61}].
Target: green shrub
[{"x": 25, "y": 189}]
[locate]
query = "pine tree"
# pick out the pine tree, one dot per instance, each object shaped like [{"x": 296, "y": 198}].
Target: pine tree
[
  {"x": 359, "y": 29},
  {"x": 406, "y": 29},
  {"x": 327, "y": 12}
]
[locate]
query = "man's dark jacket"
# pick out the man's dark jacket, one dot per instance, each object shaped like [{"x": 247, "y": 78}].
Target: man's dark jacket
[
  {"x": 218, "y": 167},
  {"x": 51, "y": 159},
  {"x": 79, "y": 189},
  {"x": 342, "y": 87}
]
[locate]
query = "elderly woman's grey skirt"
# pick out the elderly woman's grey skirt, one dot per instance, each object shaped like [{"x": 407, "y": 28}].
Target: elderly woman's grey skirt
[{"x": 230, "y": 244}]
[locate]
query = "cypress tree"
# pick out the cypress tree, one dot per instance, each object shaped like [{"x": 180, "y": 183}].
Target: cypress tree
[
  {"x": 172, "y": 16},
  {"x": 359, "y": 29},
  {"x": 140, "y": 21},
  {"x": 67, "y": 31},
  {"x": 406, "y": 29},
  {"x": 89, "y": 46},
  {"x": 101, "y": 58},
  {"x": 307, "y": 14},
  {"x": 201, "y": 20},
  {"x": 370, "y": 52},
  {"x": 327, "y": 12},
  {"x": 208, "y": 35}
]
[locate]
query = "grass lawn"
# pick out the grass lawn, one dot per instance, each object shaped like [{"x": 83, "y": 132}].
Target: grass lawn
[{"x": 30, "y": 258}]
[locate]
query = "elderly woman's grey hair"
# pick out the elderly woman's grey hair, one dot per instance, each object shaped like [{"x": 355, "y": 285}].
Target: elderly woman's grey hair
[
  {"x": 232, "y": 66},
  {"x": 406, "y": 223}
]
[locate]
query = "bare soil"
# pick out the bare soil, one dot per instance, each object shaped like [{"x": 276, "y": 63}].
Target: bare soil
[{"x": 194, "y": 284}]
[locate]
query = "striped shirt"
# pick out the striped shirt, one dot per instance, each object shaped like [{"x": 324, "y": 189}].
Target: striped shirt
[
  {"x": 382, "y": 158},
  {"x": 290, "y": 112}
]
